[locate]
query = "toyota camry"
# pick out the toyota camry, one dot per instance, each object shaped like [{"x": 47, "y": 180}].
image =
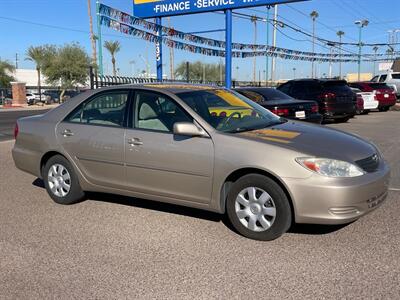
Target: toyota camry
[{"x": 164, "y": 142}]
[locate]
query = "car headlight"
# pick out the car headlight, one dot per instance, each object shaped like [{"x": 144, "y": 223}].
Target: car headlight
[{"x": 330, "y": 167}]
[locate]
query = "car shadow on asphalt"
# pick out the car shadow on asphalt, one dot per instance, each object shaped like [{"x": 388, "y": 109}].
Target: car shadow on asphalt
[{"x": 310, "y": 229}]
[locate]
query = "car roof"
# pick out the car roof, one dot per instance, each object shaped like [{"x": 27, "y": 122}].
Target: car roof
[
  {"x": 174, "y": 88},
  {"x": 322, "y": 80}
]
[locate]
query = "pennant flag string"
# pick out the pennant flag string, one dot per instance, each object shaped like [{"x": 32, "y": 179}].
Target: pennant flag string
[
  {"x": 127, "y": 19},
  {"x": 153, "y": 38}
]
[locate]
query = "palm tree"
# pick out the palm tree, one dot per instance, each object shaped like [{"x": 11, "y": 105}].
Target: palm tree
[
  {"x": 340, "y": 34},
  {"x": 314, "y": 15},
  {"x": 92, "y": 36},
  {"x": 6, "y": 69},
  {"x": 113, "y": 47},
  {"x": 38, "y": 55}
]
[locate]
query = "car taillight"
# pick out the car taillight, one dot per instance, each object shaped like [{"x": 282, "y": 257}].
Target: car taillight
[
  {"x": 222, "y": 114},
  {"x": 327, "y": 96},
  {"x": 314, "y": 108},
  {"x": 280, "y": 111},
  {"x": 360, "y": 102},
  {"x": 16, "y": 131}
]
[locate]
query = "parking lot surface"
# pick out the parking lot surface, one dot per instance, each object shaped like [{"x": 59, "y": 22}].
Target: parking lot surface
[{"x": 117, "y": 247}]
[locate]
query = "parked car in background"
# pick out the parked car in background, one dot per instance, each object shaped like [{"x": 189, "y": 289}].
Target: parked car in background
[
  {"x": 335, "y": 99},
  {"x": 161, "y": 142},
  {"x": 392, "y": 79},
  {"x": 384, "y": 94},
  {"x": 283, "y": 105},
  {"x": 365, "y": 101},
  {"x": 34, "y": 98},
  {"x": 54, "y": 96}
]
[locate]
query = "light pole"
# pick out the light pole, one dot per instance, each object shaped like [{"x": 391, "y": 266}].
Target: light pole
[
  {"x": 266, "y": 56},
  {"x": 340, "y": 34},
  {"x": 254, "y": 20},
  {"x": 314, "y": 15},
  {"x": 360, "y": 24},
  {"x": 294, "y": 73},
  {"x": 132, "y": 63},
  {"x": 375, "y": 50},
  {"x": 331, "y": 45},
  {"x": 274, "y": 41}
]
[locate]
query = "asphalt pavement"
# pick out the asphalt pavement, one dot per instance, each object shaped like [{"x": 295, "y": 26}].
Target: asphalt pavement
[
  {"x": 9, "y": 117},
  {"x": 111, "y": 247}
]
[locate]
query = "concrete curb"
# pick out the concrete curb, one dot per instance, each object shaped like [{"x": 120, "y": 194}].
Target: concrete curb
[{"x": 28, "y": 108}]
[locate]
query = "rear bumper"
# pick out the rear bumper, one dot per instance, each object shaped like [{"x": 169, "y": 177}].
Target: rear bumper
[
  {"x": 383, "y": 103},
  {"x": 314, "y": 118},
  {"x": 323, "y": 200},
  {"x": 26, "y": 160}
]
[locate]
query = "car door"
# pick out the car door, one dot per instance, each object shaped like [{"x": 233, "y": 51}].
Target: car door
[
  {"x": 93, "y": 137},
  {"x": 161, "y": 163}
]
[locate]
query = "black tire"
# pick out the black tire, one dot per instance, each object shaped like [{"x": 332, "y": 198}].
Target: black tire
[
  {"x": 75, "y": 193},
  {"x": 283, "y": 217},
  {"x": 384, "y": 108},
  {"x": 342, "y": 120},
  {"x": 365, "y": 111}
]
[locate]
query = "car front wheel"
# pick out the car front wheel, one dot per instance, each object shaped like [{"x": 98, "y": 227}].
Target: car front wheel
[
  {"x": 61, "y": 181},
  {"x": 258, "y": 208}
]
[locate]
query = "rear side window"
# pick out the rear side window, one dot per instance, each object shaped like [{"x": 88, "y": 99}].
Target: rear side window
[
  {"x": 106, "y": 109},
  {"x": 285, "y": 88},
  {"x": 396, "y": 76},
  {"x": 382, "y": 78}
]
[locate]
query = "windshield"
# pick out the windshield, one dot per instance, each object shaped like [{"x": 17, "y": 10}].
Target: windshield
[{"x": 228, "y": 111}]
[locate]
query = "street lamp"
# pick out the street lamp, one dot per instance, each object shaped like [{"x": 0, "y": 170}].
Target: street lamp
[
  {"x": 360, "y": 24},
  {"x": 314, "y": 15},
  {"x": 294, "y": 73},
  {"x": 375, "y": 50}
]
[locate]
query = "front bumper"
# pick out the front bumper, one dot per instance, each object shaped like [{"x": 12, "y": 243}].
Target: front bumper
[
  {"x": 312, "y": 118},
  {"x": 324, "y": 200}
]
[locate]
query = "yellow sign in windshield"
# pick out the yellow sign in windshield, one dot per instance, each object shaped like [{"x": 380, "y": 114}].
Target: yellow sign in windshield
[{"x": 231, "y": 98}]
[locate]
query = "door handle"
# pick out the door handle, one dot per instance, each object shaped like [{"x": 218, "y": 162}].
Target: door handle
[
  {"x": 135, "y": 142},
  {"x": 67, "y": 133}
]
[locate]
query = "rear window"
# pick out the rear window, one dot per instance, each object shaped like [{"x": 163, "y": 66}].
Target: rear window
[
  {"x": 337, "y": 86},
  {"x": 377, "y": 86},
  {"x": 396, "y": 76},
  {"x": 272, "y": 94}
]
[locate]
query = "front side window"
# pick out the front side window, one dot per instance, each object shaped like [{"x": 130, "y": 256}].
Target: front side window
[
  {"x": 235, "y": 114},
  {"x": 157, "y": 112},
  {"x": 382, "y": 78},
  {"x": 105, "y": 109}
]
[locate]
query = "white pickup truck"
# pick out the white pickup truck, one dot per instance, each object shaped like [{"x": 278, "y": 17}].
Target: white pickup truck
[{"x": 392, "y": 79}]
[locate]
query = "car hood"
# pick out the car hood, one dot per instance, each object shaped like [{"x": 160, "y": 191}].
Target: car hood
[{"x": 313, "y": 140}]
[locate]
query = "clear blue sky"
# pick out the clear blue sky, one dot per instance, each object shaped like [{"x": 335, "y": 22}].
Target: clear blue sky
[{"x": 68, "y": 22}]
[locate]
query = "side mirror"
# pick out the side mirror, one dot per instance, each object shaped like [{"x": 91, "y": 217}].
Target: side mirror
[{"x": 188, "y": 129}]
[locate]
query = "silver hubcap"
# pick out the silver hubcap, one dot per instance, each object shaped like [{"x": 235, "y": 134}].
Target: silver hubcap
[
  {"x": 59, "y": 180},
  {"x": 255, "y": 209}
]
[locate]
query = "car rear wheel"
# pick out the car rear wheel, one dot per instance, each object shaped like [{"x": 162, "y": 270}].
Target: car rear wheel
[
  {"x": 61, "y": 181},
  {"x": 384, "y": 108},
  {"x": 258, "y": 208}
]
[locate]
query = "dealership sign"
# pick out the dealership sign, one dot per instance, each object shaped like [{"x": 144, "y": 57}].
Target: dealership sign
[{"x": 161, "y": 8}]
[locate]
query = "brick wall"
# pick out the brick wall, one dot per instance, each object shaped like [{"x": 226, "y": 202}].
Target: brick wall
[{"x": 19, "y": 93}]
